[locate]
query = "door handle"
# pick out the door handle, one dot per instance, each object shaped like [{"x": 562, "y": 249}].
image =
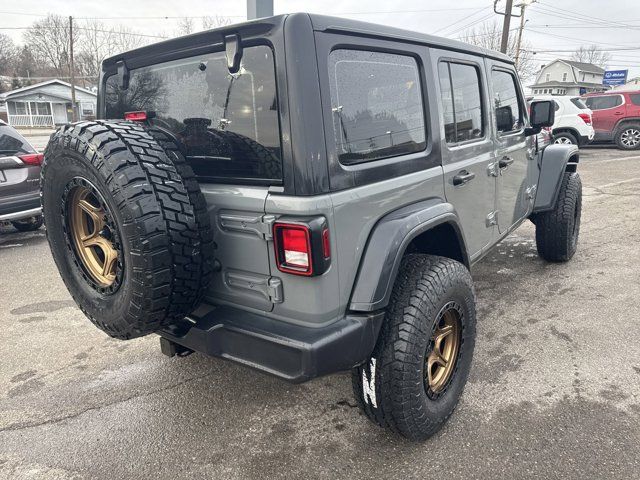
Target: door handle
[
  {"x": 505, "y": 162},
  {"x": 463, "y": 177},
  {"x": 618, "y": 113}
]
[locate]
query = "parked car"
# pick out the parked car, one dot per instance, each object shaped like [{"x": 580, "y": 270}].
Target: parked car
[
  {"x": 616, "y": 117},
  {"x": 19, "y": 180},
  {"x": 573, "y": 123},
  {"x": 300, "y": 194}
]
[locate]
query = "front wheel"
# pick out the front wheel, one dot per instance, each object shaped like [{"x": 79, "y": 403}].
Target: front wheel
[
  {"x": 557, "y": 230},
  {"x": 418, "y": 369}
]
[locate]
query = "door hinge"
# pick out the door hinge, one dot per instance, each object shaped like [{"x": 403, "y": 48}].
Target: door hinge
[
  {"x": 267, "y": 226},
  {"x": 260, "y": 225},
  {"x": 493, "y": 170},
  {"x": 492, "y": 219},
  {"x": 269, "y": 287}
]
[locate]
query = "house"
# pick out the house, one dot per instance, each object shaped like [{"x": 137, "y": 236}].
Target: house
[
  {"x": 632, "y": 84},
  {"x": 566, "y": 77},
  {"x": 46, "y": 104}
]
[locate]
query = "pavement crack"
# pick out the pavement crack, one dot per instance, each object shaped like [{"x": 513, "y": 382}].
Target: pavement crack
[{"x": 26, "y": 425}]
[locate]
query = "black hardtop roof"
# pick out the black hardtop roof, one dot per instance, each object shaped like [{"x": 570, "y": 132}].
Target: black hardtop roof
[{"x": 320, "y": 23}]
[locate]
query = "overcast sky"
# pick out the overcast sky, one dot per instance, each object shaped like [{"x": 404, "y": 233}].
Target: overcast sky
[{"x": 609, "y": 24}]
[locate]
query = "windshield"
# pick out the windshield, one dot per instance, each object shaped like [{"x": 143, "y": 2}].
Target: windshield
[
  {"x": 12, "y": 143},
  {"x": 227, "y": 124}
]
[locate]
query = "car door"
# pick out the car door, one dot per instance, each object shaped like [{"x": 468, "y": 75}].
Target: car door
[
  {"x": 607, "y": 112},
  {"x": 466, "y": 145},
  {"x": 513, "y": 161}
]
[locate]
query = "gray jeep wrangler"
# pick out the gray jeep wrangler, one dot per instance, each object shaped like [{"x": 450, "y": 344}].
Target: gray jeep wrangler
[{"x": 306, "y": 195}]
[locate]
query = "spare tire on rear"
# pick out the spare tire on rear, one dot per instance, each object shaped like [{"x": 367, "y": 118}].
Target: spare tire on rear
[{"x": 127, "y": 225}]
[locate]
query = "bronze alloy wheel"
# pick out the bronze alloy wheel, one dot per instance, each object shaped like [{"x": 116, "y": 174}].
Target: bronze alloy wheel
[
  {"x": 445, "y": 342},
  {"x": 93, "y": 235}
]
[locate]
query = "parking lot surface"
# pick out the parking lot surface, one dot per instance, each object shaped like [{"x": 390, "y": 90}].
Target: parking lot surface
[{"x": 554, "y": 390}]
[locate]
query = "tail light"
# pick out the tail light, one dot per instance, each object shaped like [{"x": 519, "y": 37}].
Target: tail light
[
  {"x": 135, "y": 116},
  {"x": 302, "y": 246},
  {"x": 585, "y": 117},
  {"x": 32, "y": 158}
]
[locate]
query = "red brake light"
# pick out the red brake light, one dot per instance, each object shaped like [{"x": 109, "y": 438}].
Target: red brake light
[
  {"x": 585, "y": 117},
  {"x": 32, "y": 158},
  {"x": 135, "y": 116},
  {"x": 293, "y": 248}
]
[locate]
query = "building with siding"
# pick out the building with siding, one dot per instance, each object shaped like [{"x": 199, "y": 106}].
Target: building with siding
[
  {"x": 46, "y": 104},
  {"x": 566, "y": 77}
]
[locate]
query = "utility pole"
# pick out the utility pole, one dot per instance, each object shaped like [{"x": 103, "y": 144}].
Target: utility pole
[
  {"x": 74, "y": 114},
  {"x": 505, "y": 27},
  {"x": 522, "y": 6}
]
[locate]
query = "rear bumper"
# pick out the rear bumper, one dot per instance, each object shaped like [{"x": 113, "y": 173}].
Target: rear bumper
[
  {"x": 292, "y": 352},
  {"x": 585, "y": 139},
  {"x": 20, "y": 206}
]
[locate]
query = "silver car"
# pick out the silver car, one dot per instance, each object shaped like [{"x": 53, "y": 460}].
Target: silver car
[{"x": 19, "y": 181}]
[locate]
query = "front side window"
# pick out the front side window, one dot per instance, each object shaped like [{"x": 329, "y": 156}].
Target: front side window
[
  {"x": 603, "y": 102},
  {"x": 376, "y": 105},
  {"x": 506, "y": 102},
  {"x": 461, "y": 102},
  {"x": 227, "y": 124}
]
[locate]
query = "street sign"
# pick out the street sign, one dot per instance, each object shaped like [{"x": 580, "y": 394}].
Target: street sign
[{"x": 614, "y": 77}]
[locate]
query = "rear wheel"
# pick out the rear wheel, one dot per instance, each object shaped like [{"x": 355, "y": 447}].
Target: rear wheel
[
  {"x": 127, "y": 226},
  {"x": 565, "y": 138},
  {"x": 418, "y": 369},
  {"x": 628, "y": 137},
  {"x": 28, "y": 224}
]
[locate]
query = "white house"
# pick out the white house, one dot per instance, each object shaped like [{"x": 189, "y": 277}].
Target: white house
[
  {"x": 46, "y": 104},
  {"x": 566, "y": 77}
]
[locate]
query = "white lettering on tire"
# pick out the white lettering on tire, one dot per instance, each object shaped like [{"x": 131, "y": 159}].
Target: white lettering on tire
[{"x": 369, "y": 384}]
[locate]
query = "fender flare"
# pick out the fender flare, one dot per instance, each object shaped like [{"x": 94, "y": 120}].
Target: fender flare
[
  {"x": 554, "y": 161},
  {"x": 387, "y": 243}
]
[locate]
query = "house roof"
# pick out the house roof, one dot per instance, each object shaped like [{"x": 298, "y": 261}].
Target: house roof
[
  {"x": 10, "y": 93},
  {"x": 585, "y": 67},
  {"x": 566, "y": 84}
]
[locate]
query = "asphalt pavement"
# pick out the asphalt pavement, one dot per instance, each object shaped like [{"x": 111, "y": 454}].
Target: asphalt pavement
[{"x": 554, "y": 390}]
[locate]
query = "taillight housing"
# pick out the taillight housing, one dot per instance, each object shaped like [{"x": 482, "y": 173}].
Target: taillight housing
[
  {"x": 136, "y": 116},
  {"x": 302, "y": 246},
  {"x": 585, "y": 117},
  {"x": 32, "y": 158}
]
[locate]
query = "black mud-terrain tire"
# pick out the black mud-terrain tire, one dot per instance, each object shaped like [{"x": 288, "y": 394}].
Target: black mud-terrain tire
[
  {"x": 557, "y": 230},
  {"x": 28, "y": 224},
  {"x": 268, "y": 164},
  {"x": 632, "y": 130},
  {"x": 159, "y": 215},
  {"x": 566, "y": 136},
  {"x": 395, "y": 373}
]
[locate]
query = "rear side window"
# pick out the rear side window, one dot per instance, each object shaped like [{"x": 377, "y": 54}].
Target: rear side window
[
  {"x": 227, "y": 124},
  {"x": 635, "y": 98},
  {"x": 12, "y": 143},
  {"x": 508, "y": 111},
  {"x": 603, "y": 102},
  {"x": 579, "y": 103},
  {"x": 461, "y": 102},
  {"x": 376, "y": 104}
]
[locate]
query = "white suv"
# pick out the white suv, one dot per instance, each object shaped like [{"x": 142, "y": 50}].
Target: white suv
[{"x": 573, "y": 122}]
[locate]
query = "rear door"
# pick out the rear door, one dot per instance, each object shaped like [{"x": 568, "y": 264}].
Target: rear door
[
  {"x": 16, "y": 177},
  {"x": 227, "y": 127},
  {"x": 607, "y": 110},
  {"x": 513, "y": 162},
  {"x": 466, "y": 145}
]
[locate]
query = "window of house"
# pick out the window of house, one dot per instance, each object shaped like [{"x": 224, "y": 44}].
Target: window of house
[
  {"x": 506, "y": 101},
  {"x": 87, "y": 108},
  {"x": 462, "y": 102},
  {"x": 564, "y": 77},
  {"x": 18, "y": 108},
  {"x": 603, "y": 102},
  {"x": 376, "y": 104},
  {"x": 40, "y": 108},
  {"x": 548, "y": 77}
]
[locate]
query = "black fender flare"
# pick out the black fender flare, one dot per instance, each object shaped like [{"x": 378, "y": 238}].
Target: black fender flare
[
  {"x": 554, "y": 161},
  {"x": 387, "y": 243}
]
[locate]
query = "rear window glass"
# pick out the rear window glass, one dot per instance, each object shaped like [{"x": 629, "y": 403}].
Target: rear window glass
[
  {"x": 603, "y": 102},
  {"x": 376, "y": 104},
  {"x": 635, "y": 98},
  {"x": 12, "y": 143},
  {"x": 227, "y": 124},
  {"x": 579, "y": 103}
]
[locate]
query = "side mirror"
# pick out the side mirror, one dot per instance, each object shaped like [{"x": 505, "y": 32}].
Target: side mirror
[
  {"x": 504, "y": 119},
  {"x": 543, "y": 114}
]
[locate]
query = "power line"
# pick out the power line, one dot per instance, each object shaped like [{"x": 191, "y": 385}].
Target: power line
[
  {"x": 435, "y": 32},
  {"x": 84, "y": 28}
]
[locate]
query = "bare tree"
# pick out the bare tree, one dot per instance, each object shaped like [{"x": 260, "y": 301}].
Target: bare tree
[
  {"x": 591, "y": 54},
  {"x": 215, "y": 21},
  {"x": 489, "y": 34},
  {"x": 187, "y": 25},
  {"x": 8, "y": 54},
  {"x": 48, "y": 41}
]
